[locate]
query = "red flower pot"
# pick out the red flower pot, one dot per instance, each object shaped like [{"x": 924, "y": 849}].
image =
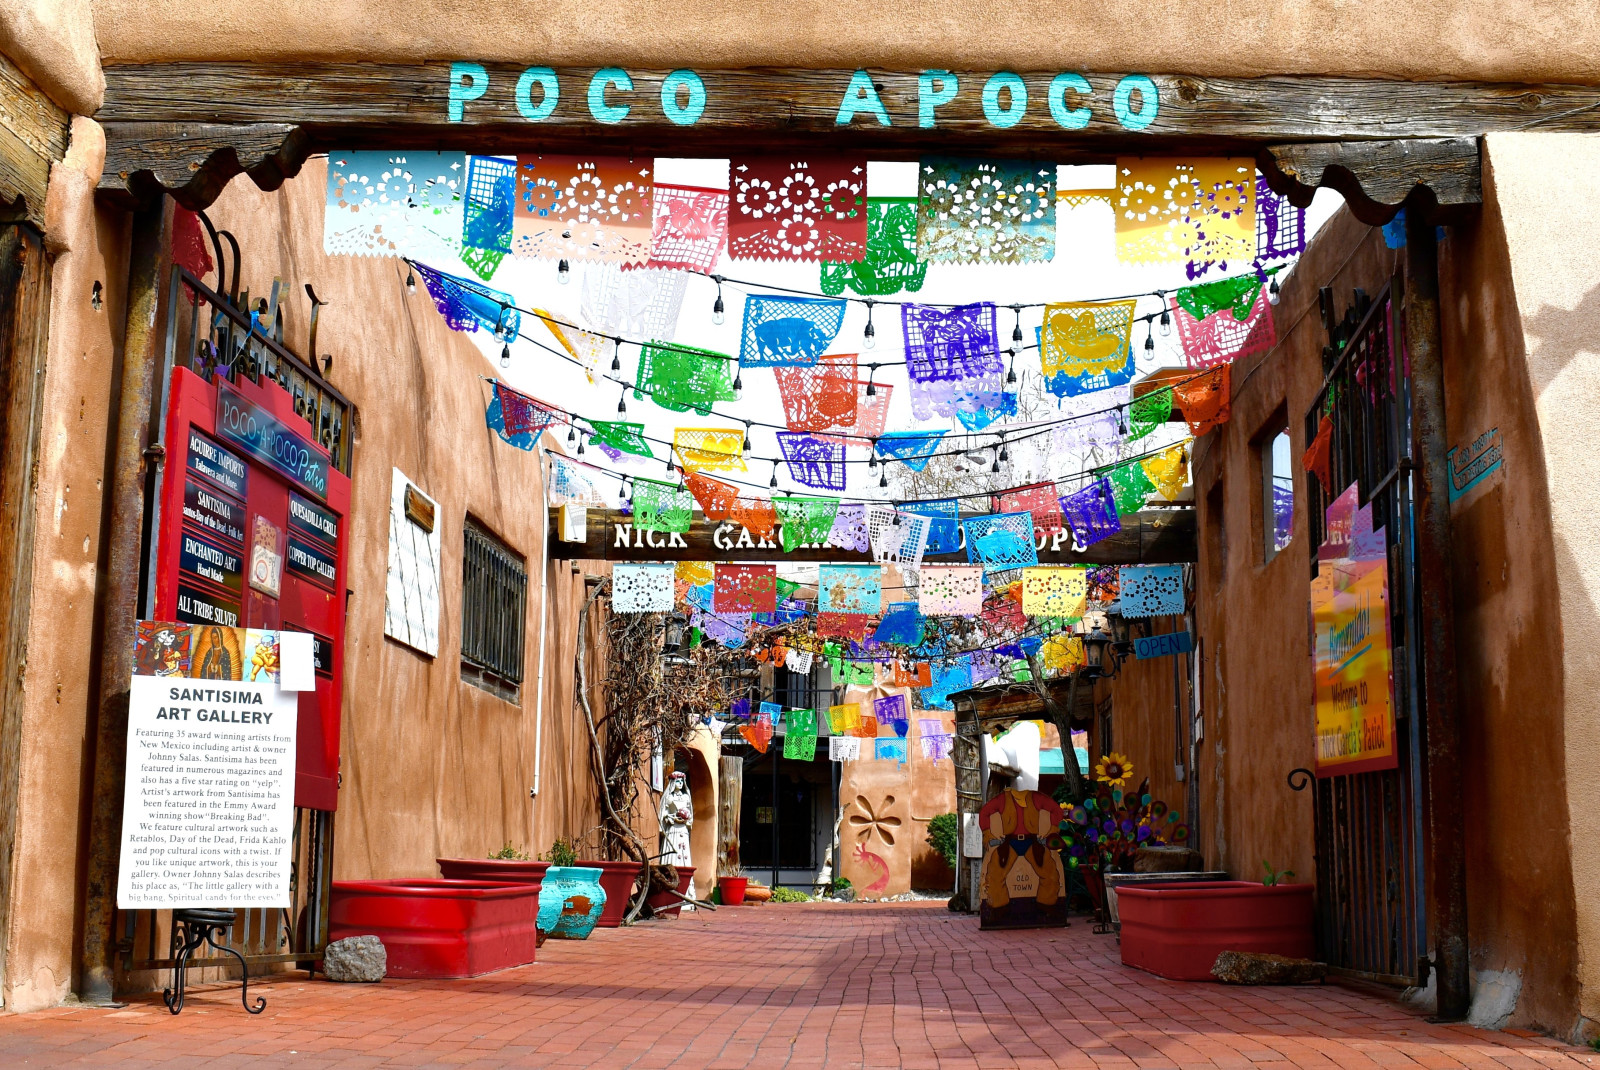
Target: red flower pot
[
  {"x": 502, "y": 870},
  {"x": 1178, "y": 930},
  {"x": 664, "y": 903},
  {"x": 618, "y": 879},
  {"x": 440, "y": 928},
  {"x": 732, "y": 889}
]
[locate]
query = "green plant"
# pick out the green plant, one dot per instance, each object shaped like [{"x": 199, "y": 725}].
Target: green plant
[
  {"x": 1273, "y": 876},
  {"x": 943, "y": 832},
  {"x": 838, "y": 885},
  {"x": 1107, "y": 829},
  {"x": 789, "y": 895},
  {"x": 561, "y": 853},
  {"x": 509, "y": 853},
  {"x": 1595, "y": 1043}
]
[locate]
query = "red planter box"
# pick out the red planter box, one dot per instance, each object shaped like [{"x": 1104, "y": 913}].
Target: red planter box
[
  {"x": 618, "y": 879},
  {"x": 662, "y": 903},
  {"x": 498, "y": 870},
  {"x": 732, "y": 889},
  {"x": 440, "y": 928},
  {"x": 1178, "y": 930}
]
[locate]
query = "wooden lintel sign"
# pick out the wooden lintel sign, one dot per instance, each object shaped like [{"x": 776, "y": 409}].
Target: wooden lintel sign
[
  {"x": 501, "y": 107},
  {"x": 1153, "y": 536}
]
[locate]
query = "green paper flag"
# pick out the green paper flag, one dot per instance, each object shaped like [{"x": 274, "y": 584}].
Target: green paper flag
[
  {"x": 661, "y": 507},
  {"x": 681, "y": 378},
  {"x": 800, "y": 735},
  {"x": 1130, "y": 487},
  {"x": 1148, "y": 413},
  {"x": 806, "y": 521},
  {"x": 626, "y": 437}
]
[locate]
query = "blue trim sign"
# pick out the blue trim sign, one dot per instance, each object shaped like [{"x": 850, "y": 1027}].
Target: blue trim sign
[
  {"x": 263, "y": 436},
  {"x": 1163, "y": 646},
  {"x": 1473, "y": 464}
]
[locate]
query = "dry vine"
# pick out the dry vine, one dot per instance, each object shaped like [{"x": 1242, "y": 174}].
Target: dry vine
[{"x": 650, "y": 701}]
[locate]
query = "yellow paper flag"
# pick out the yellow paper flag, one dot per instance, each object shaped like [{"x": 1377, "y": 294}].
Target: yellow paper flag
[
  {"x": 709, "y": 449},
  {"x": 1168, "y": 470},
  {"x": 1055, "y": 592},
  {"x": 1171, "y": 210}
]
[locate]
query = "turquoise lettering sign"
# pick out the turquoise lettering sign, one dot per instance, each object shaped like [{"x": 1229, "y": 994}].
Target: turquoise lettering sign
[{"x": 686, "y": 96}]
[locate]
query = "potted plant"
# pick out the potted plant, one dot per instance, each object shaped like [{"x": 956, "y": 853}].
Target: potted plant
[
  {"x": 508, "y": 865},
  {"x": 572, "y": 897},
  {"x": 1103, "y": 833}
]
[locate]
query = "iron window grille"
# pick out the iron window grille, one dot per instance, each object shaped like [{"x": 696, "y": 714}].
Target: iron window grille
[{"x": 494, "y": 601}]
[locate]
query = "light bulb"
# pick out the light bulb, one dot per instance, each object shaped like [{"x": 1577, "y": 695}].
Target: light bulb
[
  {"x": 1272, "y": 292},
  {"x": 572, "y": 435},
  {"x": 622, "y": 402},
  {"x": 869, "y": 337},
  {"x": 1149, "y": 340},
  {"x": 738, "y": 385},
  {"x": 580, "y": 449},
  {"x": 773, "y": 483},
  {"x": 883, "y": 480},
  {"x": 1166, "y": 323},
  {"x": 505, "y": 355},
  {"x": 996, "y": 466},
  {"x": 746, "y": 446},
  {"x": 616, "y": 354},
  {"x": 718, "y": 312},
  {"x": 411, "y": 284},
  {"x": 563, "y": 272},
  {"x": 622, "y": 494}
]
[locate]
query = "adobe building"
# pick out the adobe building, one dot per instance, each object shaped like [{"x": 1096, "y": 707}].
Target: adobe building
[{"x": 1467, "y": 852}]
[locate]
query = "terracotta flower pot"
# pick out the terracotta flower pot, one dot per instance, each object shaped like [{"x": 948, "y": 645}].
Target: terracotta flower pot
[
  {"x": 618, "y": 879},
  {"x": 664, "y": 903}
]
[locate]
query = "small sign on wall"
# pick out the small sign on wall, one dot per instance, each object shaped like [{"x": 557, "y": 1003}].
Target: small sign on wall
[
  {"x": 1163, "y": 646},
  {"x": 1471, "y": 465}
]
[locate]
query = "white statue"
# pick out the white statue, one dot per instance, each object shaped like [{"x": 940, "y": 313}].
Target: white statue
[{"x": 677, "y": 815}]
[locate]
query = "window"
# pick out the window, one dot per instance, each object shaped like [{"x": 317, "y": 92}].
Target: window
[
  {"x": 494, "y": 600},
  {"x": 1216, "y": 536},
  {"x": 1277, "y": 494}
]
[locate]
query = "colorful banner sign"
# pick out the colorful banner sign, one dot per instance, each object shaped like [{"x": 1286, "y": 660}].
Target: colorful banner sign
[{"x": 1350, "y": 608}]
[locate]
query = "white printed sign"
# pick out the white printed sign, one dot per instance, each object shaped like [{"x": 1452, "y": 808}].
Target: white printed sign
[
  {"x": 411, "y": 599},
  {"x": 208, "y": 810}
]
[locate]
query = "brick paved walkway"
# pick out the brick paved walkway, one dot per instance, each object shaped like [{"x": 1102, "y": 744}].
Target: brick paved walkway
[{"x": 802, "y": 986}]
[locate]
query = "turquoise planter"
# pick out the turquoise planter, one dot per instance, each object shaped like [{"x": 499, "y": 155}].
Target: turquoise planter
[{"x": 570, "y": 901}]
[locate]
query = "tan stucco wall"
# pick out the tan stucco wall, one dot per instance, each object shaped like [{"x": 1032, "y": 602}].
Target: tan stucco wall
[
  {"x": 90, "y": 246},
  {"x": 1541, "y": 189},
  {"x": 1529, "y": 730},
  {"x": 1465, "y": 38},
  {"x": 912, "y": 793},
  {"x": 433, "y": 766},
  {"x": 53, "y": 42}
]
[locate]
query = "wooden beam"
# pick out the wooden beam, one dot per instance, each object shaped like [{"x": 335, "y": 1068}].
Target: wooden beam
[
  {"x": 1377, "y": 177},
  {"x": 33, "y": 135},
  {"x": 1155, "y": 536},
  {"x": 189, "y": 127}
]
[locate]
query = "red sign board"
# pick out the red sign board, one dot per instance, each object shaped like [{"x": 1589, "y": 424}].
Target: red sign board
[{"x": 234, "y": 507}]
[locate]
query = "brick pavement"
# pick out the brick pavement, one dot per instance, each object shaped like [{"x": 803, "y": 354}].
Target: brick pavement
[{"x": 801, "y": 986}]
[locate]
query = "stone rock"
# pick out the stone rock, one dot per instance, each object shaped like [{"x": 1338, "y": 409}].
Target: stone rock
[
  {"x": 1254, "y": 968},
  {"x": 1167, "y": 858},
  {"x": 356, "y": 958}
]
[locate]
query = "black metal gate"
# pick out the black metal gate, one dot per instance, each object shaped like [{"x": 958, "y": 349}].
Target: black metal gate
[{"x": 1370, "y": 848}]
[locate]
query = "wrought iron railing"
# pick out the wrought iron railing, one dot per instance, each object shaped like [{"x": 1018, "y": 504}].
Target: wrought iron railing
[
  {"x": 1371, "y": 911},
  {"x": 211, "y": 336},
  {"x": 494, "y": 601}
]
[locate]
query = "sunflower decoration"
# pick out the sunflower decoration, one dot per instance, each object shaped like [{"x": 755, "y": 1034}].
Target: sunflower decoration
[{"x": 1113, "y": 769}]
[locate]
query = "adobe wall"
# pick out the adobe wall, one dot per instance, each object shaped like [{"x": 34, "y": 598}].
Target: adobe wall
[
  {"x": 1466, "y": 39},
  {"x": 1524, "y": 746},
  {"x": 433, "y": 766},
  {"x": 1542, "y": 240},
  {"x": 1144, "y": 725},
  {"x": 60, "y": 683}
]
